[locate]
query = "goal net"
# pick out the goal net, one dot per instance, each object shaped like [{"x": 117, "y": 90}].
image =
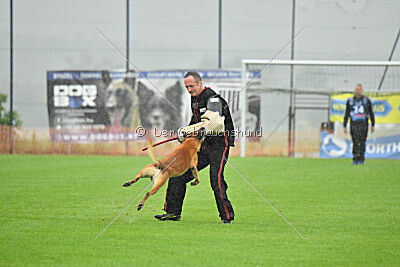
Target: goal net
[{"x": 296, "y": 96}]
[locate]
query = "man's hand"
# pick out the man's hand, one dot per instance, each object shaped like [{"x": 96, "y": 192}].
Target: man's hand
[
  {"x": 345, "y": 130},
  {"x": 372, "y": 129},
  {"x": 182, "y": 134}
]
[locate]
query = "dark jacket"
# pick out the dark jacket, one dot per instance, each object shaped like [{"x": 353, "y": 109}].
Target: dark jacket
[
  {"x": 359, "y": 110},
  {"x": 200, "y": 104}
]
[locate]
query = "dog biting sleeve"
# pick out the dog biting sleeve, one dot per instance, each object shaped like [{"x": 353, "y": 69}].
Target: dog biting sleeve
[{"x": 211, "y": 121}]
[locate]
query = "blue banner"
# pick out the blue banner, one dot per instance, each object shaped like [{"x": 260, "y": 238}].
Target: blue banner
[
  {"x": 386, "y": 107},
  {"x": 333, "y": 146},
  {"x": 162, "y": 74}
]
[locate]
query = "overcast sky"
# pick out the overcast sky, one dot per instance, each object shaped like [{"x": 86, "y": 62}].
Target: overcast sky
[{"x": 61, "y": 35}]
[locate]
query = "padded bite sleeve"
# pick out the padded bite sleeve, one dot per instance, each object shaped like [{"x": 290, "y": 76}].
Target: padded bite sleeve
[{"x": 214, "y": 104}]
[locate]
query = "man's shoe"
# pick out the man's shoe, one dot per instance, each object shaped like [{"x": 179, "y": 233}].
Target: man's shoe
[
  {"x": 226, "y": 221},
  {"x": 361, "y": 162},
  {"x": 167, "y": 217},
  {"x": 355, "y": 162}
]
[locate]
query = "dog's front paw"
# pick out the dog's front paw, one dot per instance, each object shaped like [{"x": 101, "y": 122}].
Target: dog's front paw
[
  {"x": 127, "y": 184},
  {"x": 140, "y": 206},
  {"x": 194, "y": 183}
]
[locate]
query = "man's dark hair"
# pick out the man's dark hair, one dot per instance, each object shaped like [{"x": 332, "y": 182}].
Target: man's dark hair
[{"x": 195, "y": 75}]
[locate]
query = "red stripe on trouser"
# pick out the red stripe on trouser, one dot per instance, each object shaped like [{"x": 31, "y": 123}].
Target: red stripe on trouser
[
  {"x": 219, "y": 182},
  {"x": 165, "y": 203}
]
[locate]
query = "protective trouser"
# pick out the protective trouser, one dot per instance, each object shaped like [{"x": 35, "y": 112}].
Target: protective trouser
[
  {"x": 215, "y": 156},
  {"x": 359, "y": 133}
]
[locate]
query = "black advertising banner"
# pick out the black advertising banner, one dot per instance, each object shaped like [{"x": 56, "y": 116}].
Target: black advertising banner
[
  {"x": 87, "y": 106},
  {"x": 102, "y": 106},
  {"x": 75, "y": 100}
]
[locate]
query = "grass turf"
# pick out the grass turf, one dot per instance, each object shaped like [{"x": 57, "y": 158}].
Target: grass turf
[{"x": 52, "y": 207}]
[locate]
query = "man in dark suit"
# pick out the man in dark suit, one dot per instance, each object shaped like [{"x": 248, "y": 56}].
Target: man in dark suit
[{"x": 359, "y": 110}]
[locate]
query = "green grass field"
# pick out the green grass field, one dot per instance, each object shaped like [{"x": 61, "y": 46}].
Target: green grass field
[{"x": 52, "y": 208}]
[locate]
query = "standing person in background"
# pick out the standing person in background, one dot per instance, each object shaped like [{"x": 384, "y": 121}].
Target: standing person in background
[{"x": 359, "y": 109}]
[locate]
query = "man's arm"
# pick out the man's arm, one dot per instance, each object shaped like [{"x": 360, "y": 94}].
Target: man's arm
[
  {"x": 371, "y": 115},
  {"x": 212, "y": 120},
  {"x": 346, "y": 116}
]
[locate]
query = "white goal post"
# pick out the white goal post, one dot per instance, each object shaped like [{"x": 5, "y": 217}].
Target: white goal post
[{"x": 337, "y": 76}]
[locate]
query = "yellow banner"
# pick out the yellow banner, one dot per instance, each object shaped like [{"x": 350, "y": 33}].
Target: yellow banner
[{"x": 386, "y": 107}]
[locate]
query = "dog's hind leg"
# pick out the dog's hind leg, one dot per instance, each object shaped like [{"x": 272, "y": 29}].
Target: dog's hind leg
[
  {"x": 148, "y": 171},
  {"x": 159, "y": 181},
  {"x": 195, "y": 172}
]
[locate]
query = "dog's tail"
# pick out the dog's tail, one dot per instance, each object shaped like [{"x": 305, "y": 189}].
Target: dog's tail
[{"x": 151, "y": 152}]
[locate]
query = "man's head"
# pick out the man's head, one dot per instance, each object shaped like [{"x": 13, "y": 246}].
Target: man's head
[
  {"x": 358, "y": 90},
  {"x": 193, "y": 83}
]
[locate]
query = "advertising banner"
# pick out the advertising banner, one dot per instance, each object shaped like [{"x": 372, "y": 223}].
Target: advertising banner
[
  {"x": 102, "y": 106},
  {"x": 333, "y": 146},
  {"x": 386, "y": 107}
]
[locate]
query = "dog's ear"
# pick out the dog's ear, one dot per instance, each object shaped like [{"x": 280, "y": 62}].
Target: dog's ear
[
  {"x": 174, "y": 96},
  {"x": 130, "y": 78},
  {"x": 105, "y": 76},
  {"x": 174, "y": 93},
  {"x": 144, "y": 94}
]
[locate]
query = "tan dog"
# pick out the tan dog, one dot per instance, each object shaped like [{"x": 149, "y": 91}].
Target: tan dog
[{"x": 183, "y": 158}]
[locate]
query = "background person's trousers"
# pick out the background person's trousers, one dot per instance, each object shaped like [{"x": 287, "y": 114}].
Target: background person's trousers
[
  {"x": 213, "y": 155},
  {"x": 359, "y": 133}
]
